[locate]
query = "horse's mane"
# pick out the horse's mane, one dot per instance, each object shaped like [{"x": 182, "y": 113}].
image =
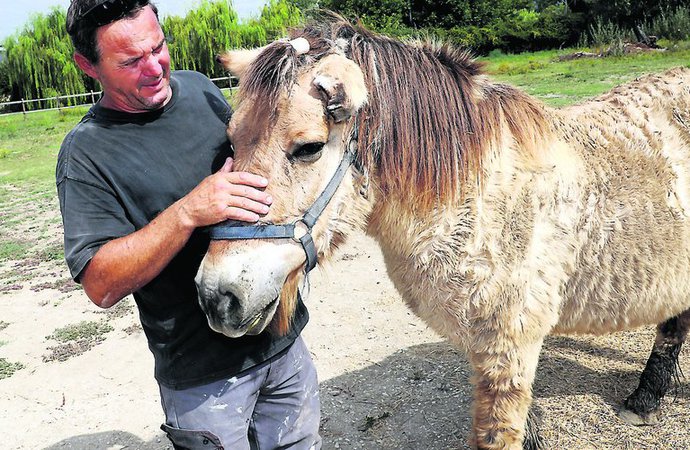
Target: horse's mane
[{"x": 428, "y": 121}]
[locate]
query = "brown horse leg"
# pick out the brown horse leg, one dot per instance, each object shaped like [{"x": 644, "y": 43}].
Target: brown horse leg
[
  {"x": 502, "y": 398},
  {"x": 642, "y": 407}
]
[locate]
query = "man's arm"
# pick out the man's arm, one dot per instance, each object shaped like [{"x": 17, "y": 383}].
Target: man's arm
[{"x": 124, "y": 265}]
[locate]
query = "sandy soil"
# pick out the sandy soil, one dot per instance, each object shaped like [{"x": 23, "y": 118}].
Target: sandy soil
[{"x": 387, "y": 381}]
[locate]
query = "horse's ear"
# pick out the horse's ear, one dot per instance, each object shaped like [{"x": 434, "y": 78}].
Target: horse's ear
[
  {"x": 341, "y": 85},
  {"x": 237, "y": 62}
]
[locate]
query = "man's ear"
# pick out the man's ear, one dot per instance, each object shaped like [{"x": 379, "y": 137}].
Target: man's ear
[{"x": 87, "y": 66}]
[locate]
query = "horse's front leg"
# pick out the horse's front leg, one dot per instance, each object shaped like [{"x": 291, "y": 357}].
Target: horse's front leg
[{"x": 504, "y": 353}]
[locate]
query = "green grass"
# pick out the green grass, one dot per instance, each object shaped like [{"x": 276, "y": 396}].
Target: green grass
[
  {"x": 560, "y": 83},
  {"x": 89, "y": 330},
  {"x": 28, "y": 150},
  {"x": 10, "y": 250},
  {"x": 54, "y": 252},
  {"x": 7, "y": 369},
  {"x": 76, "y": 339},
  {"x": 29, "y": 146}
]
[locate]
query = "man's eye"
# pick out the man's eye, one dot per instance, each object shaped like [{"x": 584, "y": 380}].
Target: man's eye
[{"x": 308, "y": 152}]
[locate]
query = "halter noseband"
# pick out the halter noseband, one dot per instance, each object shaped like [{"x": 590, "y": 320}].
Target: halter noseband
[{"x": 300, "y": 230}]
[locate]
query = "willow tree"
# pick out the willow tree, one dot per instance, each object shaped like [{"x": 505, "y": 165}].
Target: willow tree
[
  {"x": 39, "y": 62},
  {"x": 196, "y": 39}
]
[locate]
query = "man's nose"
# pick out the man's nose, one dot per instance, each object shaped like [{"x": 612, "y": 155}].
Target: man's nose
[{"x": 152, "y": 67}]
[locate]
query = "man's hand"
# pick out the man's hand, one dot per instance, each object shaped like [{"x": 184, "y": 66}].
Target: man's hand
[
  {"x": 125, "y": 264},
  {"x": 225, "y": 195}
]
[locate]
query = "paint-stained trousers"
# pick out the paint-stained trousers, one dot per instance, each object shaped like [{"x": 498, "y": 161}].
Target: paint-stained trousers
[{"x": 272, "y": 406}]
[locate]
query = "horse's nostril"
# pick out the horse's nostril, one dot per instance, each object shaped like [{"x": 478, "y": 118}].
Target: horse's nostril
[{"x": 233, "y": 302}]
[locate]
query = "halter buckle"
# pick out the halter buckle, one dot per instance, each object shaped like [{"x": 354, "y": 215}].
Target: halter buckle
[{"x": 300, "y": 229}]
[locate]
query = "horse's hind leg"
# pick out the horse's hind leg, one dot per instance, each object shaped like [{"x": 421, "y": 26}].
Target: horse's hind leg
[{"x": 642, "y": 407}]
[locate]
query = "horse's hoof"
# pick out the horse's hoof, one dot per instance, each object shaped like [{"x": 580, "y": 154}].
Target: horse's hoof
[{"x": 632, "y": 418}]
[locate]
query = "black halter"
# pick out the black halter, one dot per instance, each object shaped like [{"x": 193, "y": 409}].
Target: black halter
[{"x": 300, "y": 229}]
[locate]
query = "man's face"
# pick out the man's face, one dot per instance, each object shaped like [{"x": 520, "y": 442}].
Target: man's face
[{"x": 134, "y": 68}]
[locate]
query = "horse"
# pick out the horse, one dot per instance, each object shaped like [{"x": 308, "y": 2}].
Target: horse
[{"x": 501, "y": 220}]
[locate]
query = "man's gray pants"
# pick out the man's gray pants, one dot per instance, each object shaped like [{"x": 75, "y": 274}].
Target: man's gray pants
[{"x": 272, "y": 406}]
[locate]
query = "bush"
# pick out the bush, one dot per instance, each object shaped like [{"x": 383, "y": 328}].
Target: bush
[
  {"x": 516, "y": 33},
  {"x": 559, "y": 27},
  {"x": 673, "y": 25},
  {"x": 478, "y": 39},
  {"x": 525, "y": 30},
  {"x": 380, "y": 15},
  {"x": 604, "y": 34}
]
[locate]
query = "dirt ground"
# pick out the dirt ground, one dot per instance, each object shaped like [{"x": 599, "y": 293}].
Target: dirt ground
[{"x": 387, "y": 381}]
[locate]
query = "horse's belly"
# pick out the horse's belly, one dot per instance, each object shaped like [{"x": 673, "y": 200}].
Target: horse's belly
[{"x": 606, "y": 307}]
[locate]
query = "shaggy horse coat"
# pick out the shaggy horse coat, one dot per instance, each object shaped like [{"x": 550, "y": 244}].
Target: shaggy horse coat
[{"x": 500, "y": 220}]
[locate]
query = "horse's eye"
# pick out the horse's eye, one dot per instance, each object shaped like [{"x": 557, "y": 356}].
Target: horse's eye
[{"x": 308, "y": 152}]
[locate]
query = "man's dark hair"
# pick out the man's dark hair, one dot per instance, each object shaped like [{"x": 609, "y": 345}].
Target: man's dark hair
[{"x": 82, "y": 28}]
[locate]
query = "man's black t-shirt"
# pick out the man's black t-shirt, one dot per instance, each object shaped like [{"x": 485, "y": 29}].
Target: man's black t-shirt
[{"x": 115, "y": 173}]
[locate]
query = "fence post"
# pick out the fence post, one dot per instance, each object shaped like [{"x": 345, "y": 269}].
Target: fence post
[
  {"x": 57, "y": 99},
  {"x": 23, "y": 108},
  {"x": 93, "y": 98}
]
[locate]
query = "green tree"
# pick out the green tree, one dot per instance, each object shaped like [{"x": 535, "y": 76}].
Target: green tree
[
  {"x": 196, "y": 39},
  {"x": 305, "y": 6},
  {"x": 389, "y": 16},
  {"x": 39, "y": 60},
  {"x": 626, "y": 13},
  {"x": 5, "y": 88}
]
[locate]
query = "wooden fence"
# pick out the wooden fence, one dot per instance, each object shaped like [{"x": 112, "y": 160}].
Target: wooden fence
[{"x": 65, "y": 101}]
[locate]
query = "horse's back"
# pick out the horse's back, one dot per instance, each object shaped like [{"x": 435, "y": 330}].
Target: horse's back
[{"x": 633, "y": 236}]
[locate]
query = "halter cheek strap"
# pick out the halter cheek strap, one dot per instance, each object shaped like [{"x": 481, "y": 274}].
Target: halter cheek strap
[{"x": 301, "y": 229}]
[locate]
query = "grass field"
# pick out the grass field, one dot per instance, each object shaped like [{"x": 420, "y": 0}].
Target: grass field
[
  {"x": 28, "y": 150},
  {"x": 561, "y": 83}
]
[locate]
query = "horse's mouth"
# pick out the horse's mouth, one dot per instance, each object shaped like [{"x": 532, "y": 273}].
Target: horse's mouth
[{"x": 251, "y": 323}]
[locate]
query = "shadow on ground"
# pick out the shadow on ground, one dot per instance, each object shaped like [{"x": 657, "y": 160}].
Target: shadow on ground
[
  {"x": 111, "y": 440},
  {"x": 420, "y": 397}
]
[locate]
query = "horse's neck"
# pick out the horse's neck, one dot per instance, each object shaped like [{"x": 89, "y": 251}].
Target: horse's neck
[{"x": 407, "y": 232}]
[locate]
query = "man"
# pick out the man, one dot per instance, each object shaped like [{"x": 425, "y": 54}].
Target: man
[{"x": 136, "y": 179}]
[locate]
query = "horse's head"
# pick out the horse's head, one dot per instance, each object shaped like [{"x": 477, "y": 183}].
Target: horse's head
[{"x": 293, "y": 122}]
